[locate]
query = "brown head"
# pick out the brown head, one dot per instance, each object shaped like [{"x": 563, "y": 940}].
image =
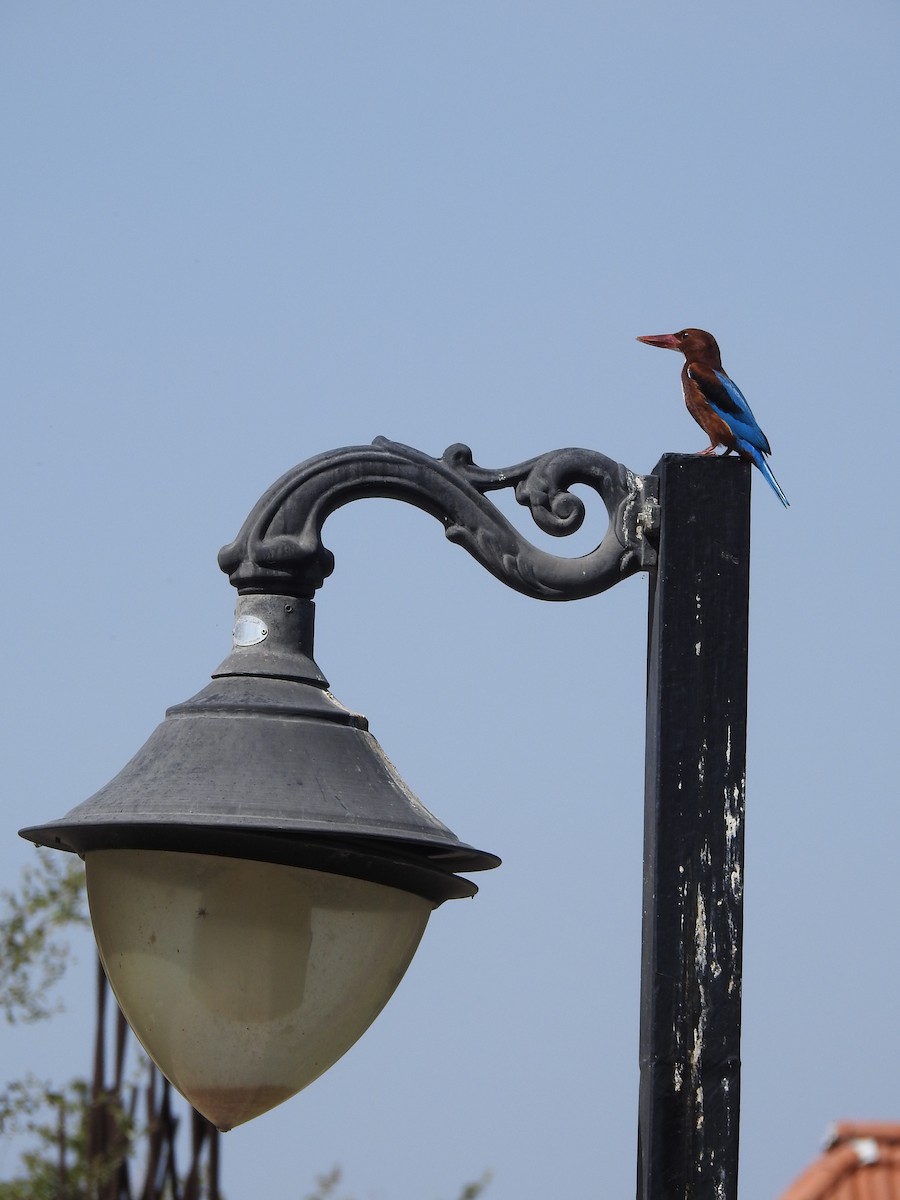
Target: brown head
[{"x": 695, "y": 344}]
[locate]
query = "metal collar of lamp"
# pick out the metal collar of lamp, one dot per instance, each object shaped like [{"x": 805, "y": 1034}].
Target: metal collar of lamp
[{"x": 259, "y": 876}]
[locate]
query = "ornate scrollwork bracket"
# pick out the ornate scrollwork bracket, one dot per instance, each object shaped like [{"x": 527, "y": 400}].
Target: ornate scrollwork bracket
[{"x": 279, "y": 549}]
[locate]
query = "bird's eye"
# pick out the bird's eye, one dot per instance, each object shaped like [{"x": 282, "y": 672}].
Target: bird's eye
[{"x": 683, "y": 335}]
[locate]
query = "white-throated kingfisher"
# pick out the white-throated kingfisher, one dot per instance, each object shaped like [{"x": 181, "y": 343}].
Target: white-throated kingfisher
[{"x": 715, "y": 402}]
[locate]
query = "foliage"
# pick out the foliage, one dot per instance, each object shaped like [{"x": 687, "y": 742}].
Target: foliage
[
  {"x": 78, "y": 1142},
  {"x": 33, "y": 952},
  {"x": 471, "y": 1190},
  {"x": 63, "y": 1165},
  {"x": 326, "y": 1187},
  {"x": 33, "y": 955},
  {"x": 85, "y": 1143}
]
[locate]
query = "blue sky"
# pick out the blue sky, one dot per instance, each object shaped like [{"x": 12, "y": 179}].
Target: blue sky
[{"x": 236, "y": 236}]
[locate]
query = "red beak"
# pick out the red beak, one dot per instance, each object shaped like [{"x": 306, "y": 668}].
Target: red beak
[{"x": 665, "y": 341}]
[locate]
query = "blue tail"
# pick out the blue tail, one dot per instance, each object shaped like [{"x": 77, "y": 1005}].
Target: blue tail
[{"x": 759, "y": 460}]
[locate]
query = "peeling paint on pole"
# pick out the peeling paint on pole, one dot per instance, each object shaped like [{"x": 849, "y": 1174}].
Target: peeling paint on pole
[{"x": 694, "y": 834}]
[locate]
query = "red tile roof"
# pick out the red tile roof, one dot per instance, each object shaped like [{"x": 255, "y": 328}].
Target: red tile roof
[{"x": 861, "y": 1162}]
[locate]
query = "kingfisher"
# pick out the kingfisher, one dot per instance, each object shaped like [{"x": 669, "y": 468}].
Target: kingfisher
[{"x": 716, "y": 402}]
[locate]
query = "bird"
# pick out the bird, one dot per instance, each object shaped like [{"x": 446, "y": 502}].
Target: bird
[{"x": 716, "y": 402}]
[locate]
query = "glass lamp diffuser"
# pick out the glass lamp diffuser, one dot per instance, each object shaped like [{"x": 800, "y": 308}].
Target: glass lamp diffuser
[{"x": 245, "y": 980}]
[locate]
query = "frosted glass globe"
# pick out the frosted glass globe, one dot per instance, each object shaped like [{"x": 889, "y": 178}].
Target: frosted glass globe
[{"x": 245, "y": 980}]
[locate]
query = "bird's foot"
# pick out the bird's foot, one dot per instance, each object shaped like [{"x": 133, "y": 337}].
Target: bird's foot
[{"x": 709, "y": 450}]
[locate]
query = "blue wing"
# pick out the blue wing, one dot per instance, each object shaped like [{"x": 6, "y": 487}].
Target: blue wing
[{"x": 727, "y": 400}]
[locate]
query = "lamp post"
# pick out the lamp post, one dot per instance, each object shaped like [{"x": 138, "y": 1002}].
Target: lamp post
[{"x": 259, "y": 876}]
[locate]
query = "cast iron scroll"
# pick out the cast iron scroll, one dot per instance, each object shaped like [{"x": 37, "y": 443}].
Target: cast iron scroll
[{"x": 279, "y": 548}]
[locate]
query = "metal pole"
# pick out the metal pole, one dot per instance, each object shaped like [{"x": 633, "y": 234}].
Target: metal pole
[{"x": 694, "y": 833}]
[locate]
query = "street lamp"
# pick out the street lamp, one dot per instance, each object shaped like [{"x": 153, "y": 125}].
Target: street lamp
[{"x": 259, "y": 876}]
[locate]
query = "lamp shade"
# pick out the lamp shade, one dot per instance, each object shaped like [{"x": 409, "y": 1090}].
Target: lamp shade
[{"x": 265, "y": 763}]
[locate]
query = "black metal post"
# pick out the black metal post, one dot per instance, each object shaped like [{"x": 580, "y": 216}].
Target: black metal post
[{"x": 694, "y": 833}]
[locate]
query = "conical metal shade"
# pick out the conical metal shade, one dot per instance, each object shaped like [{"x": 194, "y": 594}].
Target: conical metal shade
[{"x": 266, "y": 766}]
